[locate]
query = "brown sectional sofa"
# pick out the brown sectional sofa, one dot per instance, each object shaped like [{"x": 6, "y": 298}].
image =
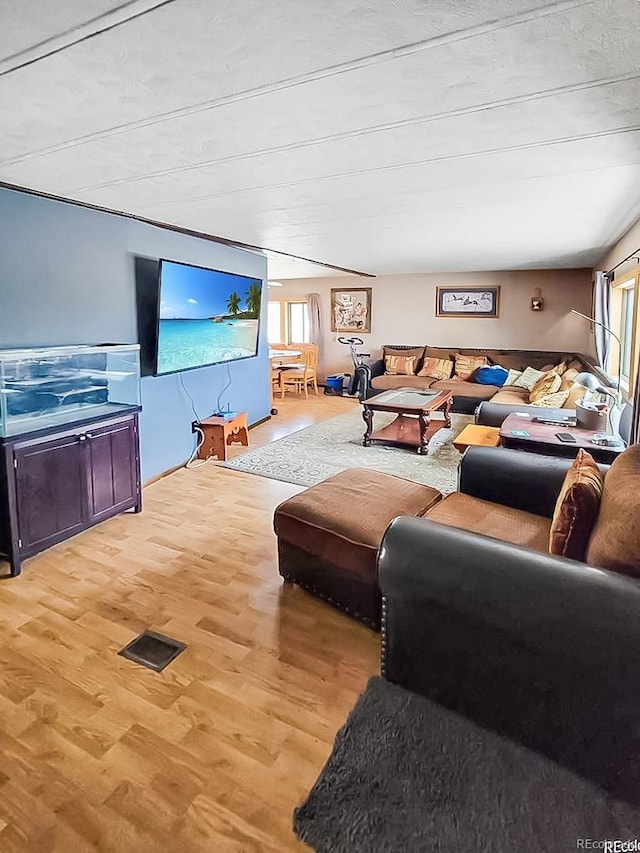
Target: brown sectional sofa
[{"x": 467, "y": 395}]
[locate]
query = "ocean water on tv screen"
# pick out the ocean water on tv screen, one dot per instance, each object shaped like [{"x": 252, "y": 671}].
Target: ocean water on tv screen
[{"x": 192, "y": 343}]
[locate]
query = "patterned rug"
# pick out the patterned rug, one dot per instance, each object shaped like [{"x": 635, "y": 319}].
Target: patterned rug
[{"x": 311, "y": 455}]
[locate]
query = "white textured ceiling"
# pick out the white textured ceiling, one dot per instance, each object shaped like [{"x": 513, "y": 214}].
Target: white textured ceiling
[{"x": 388, "y": 136}]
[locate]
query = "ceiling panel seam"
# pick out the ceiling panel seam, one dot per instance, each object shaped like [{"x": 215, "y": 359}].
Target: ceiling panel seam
[
  {"x": 365, "y": 131},
  {"x": 82, "y": 32},
  {"x": 398, "y": 193},
  {"x": 428, "y": 161},
  {"x": 320, "y": 74}
]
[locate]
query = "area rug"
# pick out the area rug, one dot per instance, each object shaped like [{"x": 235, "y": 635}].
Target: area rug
[
  {"x": 408, "y": 775},
  {"x": 311, "y": 455}
]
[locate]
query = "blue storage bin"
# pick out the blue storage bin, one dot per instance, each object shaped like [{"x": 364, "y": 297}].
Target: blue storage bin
[{"x": 334, "y": 385}]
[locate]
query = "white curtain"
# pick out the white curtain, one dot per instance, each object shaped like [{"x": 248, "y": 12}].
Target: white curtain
[
  {"x": 315, "y": 322},
  {"x": 601, "y": 302}
]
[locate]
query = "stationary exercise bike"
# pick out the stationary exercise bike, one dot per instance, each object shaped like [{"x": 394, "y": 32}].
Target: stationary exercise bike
[{"x": 357, "y": 359}]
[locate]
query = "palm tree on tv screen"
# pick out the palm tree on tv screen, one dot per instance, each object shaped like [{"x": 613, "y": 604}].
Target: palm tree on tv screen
[
  {"x": 233, "y": 303},
  {"x": 253, "y": 299}
]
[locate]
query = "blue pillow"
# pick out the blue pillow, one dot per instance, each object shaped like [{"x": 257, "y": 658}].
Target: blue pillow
[{"x": 492, "y": 374}]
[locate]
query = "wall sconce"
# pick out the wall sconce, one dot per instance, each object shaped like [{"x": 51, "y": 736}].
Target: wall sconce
[{"x": 537, "y": 302}]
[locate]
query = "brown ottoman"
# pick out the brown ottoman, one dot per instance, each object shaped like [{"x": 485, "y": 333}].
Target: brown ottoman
[{"x": 328, "y": 536}]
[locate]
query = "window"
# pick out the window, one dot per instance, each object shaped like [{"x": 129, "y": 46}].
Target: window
[
  {"x": 274, "y": 323},
  {"x": 297, "y": 323},
  {"x": 626, "y": 333},
  {"x": 288, "y": 322},
  {"x": 624, "y": 317}
]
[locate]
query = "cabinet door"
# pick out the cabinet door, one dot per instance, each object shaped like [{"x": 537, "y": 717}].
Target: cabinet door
[
  {"x": 51, "y": 492},
  {"x": 112, "y": 469}
]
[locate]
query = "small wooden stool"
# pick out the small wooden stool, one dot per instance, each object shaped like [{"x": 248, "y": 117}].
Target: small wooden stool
[
  {"x": 219, "y": 432},
  {"x": 474, "y": 435}
]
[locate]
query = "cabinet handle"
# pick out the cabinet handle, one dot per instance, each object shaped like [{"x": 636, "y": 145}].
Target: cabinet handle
[
  {"x": 82, "y": 438},
  {"x": 89, "y": 435}
]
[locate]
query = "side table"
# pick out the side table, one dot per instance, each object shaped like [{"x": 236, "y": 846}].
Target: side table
[
  {"x": 473, "y": 436},
  {"x": 220, "y": 432}
]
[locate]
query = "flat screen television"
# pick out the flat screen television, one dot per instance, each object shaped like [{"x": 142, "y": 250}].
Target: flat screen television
[{"x": 205, "y": 317}]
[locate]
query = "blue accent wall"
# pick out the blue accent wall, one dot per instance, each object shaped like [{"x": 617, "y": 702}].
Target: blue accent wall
[{"x": 67, "y": 277}]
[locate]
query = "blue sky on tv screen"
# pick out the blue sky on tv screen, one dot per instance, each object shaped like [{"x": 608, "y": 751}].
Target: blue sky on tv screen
[{"x": 193, "y": 293}]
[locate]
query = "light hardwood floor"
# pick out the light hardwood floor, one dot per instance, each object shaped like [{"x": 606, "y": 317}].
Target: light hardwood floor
[{"x": 213, "y": 754}]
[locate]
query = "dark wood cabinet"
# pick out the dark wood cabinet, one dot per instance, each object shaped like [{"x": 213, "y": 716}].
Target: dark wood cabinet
[{"x": 57, "y": 482}]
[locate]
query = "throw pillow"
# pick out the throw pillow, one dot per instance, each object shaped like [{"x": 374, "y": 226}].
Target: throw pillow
[
  {"x": 576, "y": 508},
  {"x": 574, "y": 393},
  {"x": 553, "y": 401},
  {"x": 547, "y": 384},
  {"x": 490, "y": 374},
  {"x": 436, "y": 368},
  {"x": 512, "y": 377},
  {"x": 400, "y": 365},
  {"x": 529, "y": 378},
  {"x": 466, "y": 364},
  {"x": 615, "y": 541},
  {"x": 566, "y": 381}
]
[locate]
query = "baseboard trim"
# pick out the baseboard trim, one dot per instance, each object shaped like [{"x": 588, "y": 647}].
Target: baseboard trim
[{"x": 175, "y": 468}]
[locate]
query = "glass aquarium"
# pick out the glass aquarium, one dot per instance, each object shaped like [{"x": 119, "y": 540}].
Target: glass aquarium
[{"x": 41, "y": 388}]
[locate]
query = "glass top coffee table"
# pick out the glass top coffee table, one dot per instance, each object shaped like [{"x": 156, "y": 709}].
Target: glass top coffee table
[{"x": 413, "y": 426}]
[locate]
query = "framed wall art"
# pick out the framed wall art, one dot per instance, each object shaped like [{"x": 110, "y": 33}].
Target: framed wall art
[
  {"x": 468, "y": 301},
  {"x": 351, "y": 309}
]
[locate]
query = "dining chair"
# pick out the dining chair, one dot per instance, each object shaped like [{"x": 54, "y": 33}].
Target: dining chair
[{"x": 299, "y": 378}]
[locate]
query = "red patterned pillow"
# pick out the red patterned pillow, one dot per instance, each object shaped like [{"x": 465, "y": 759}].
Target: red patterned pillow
[
  {"x": 436, "y": 368},
  {"x": 466, "y": 364},
  {"x": 400, "y": 365}
]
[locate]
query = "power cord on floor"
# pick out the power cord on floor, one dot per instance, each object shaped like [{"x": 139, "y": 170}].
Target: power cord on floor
[{"x": 191, "y": 463}]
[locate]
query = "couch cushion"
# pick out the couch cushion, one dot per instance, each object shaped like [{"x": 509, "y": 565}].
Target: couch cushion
[
  {"x": 615, "y": 540},
  {"x": 548, "y": 383},
  {"x": 460, "y": 388},
  {"x": 436, "y": 368},
  {"x": 511, "y": 395},
  {"x": 343, "y": 518},
  {"x": 512, "y": 377},
  {"x": 512, "y": 361},
  {"x": 390, "y": 383},
  {"x": 554, "y": 401},
  {"x": 501, "y": 522},
  {"x": 530, "y": 376},
  {"x": 439, "y": 352},
  {"x": 574, "y": 393},
  {"x": 466, "y": 364},
  {"x": 400, "y": 365},
  {"x": 567, "y": 378},
  {"x": 493, "y": 356},
  {"x": 417, "y": 352},
  {"x": 576, "y": 508}
]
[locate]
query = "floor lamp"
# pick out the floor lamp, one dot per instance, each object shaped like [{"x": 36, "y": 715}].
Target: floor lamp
[{"x": 613, "y": 335}]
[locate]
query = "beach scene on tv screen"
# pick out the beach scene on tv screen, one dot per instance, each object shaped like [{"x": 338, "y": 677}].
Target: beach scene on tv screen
[{"x": 206, "y": 317}]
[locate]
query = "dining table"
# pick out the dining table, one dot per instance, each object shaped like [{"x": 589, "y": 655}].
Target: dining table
[{"x": 279, "y": 359}]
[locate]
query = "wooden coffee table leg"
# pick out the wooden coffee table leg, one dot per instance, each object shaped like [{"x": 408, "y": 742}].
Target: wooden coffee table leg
[
  {"x": 367, "y": 414},
  {"x": 447, "y": 412},
  {"x": 423, "y": 423}
]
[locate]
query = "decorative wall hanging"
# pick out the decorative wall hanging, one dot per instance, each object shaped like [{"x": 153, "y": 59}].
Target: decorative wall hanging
[
  {"x": 467, "y": 301},
  {"x": 351, "y": 309}
]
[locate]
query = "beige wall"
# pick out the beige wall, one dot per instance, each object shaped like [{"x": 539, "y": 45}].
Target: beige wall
[
  {"x": 627, "y": 244},
  {"x": 403, "y": 309}
]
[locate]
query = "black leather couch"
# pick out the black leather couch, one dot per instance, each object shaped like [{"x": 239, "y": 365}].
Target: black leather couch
[{"x": 540, "y": 649}]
